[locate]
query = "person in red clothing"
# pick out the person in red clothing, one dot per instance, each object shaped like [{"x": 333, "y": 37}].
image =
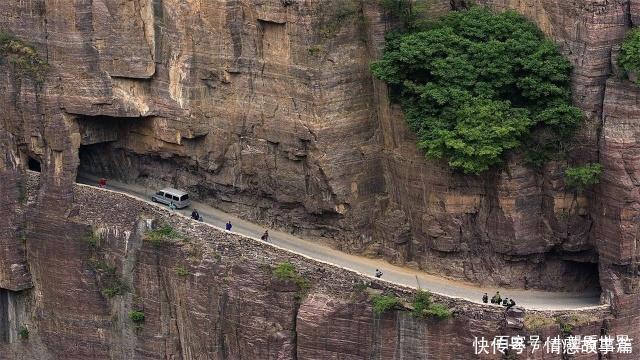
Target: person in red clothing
[{"x": 102, "y": 182}]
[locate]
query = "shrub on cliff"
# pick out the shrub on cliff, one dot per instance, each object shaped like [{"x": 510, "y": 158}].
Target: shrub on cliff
[
  {"x": 384, "y": 303},
  {"x": 581, "y": 177},
  {"x": 161, "y": 235},
  {"x": 629, "y": 58},
  {"x": 287, "y": 272},
  {"x": 182, "y": 271},
  {"x": 110, "y": 283},
  {"x": 136, "y": 316},
  {"x": 93, "y": 239},
  {"x": 423, "y": 306},
  {"x": 24, "y": 57},
  {"x": 475, "y": 85},
  {"x": 23, "y": 333}
]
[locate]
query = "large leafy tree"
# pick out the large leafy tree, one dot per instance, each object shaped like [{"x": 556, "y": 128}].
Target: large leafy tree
[
  {"x": 476, "y": 84},
  {"x": 629, "y": 57}
]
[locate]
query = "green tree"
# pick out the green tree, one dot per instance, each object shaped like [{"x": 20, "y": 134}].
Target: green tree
[
  {"x": 581, "y": 177},
  {"x": 475, "y": 85},
  {"x": 629, "y": 58}
]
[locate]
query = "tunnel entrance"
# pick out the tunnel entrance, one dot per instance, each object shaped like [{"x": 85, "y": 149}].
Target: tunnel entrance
[
  {"x": 34, "y": 165},
  {"x": 4, "y": 315},
  {"x": 99, "y": 160},
  {"x": 100, "y": 152},
  {"x": 585, "y": 276}
]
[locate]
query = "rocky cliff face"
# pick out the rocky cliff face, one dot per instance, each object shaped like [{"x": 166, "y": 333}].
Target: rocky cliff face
[
  {"x": 267, "y": 109},
  {"x": 210, "y": 294}
]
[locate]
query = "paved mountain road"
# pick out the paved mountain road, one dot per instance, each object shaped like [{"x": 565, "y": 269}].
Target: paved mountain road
[{"x": 530, "y": 299}]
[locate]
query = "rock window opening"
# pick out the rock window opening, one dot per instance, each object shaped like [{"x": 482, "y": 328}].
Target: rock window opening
[
  {"x": 4, "y": 316},
  {"x": 34, "y": 165}
]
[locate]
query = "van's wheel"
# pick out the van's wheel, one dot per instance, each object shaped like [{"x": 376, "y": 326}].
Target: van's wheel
[{"x": 153, "y": 199}]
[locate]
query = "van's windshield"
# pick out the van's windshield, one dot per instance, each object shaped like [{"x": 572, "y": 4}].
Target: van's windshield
[{"x": 184, "y": 197}]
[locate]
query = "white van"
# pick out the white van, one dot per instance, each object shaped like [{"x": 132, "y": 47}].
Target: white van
[{"x": 166, "y": 196}]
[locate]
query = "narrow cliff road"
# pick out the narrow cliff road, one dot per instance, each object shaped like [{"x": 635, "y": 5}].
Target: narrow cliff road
[{"x": 530, "y": 299}]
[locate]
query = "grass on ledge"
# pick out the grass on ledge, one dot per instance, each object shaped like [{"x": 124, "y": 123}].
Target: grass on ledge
[
  {"x": 161, "y": 235},
  {"x": 287, "y": 272}
]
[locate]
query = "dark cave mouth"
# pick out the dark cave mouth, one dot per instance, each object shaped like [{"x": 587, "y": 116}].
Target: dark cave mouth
[
  {"x": 34, "y": 165},
  {"x": 582, "y": 276}
]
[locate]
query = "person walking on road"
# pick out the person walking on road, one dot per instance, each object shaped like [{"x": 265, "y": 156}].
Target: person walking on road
[
  {"x": 265, "y": 236},
  {"x": 485, "y": 298},
  {"x": 228, "y": 226},
  {"x": 172, "y": 206},
  {"x": 378, "y": 273},
  {"x": 195, "y": 215},
  {"x": 102, "y": 183}
]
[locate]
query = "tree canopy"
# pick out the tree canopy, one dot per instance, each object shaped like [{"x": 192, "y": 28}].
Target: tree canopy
[
  {"x": 629, "y": 58},
  {"x": 582, "y": 177},
  {"x": 475, "y": 85}
]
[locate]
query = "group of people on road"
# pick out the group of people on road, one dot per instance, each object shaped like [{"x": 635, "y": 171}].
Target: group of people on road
[
  {"x": 498, "y": 300},
  {"x": 195, "y": 215}
]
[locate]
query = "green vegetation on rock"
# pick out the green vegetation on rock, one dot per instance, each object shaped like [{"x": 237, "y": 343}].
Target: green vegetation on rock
[
  {"x": 629, "y": 58},
  {"x": 24, "y": 57},
  {"x": 384, "y": 303},
  {"x": 423, "y": 306},
  {"x": 93, "y": 239},
  {"x": 581, "y": 177},
  {"x": 136, "y": 316},
  {"x": 160, "y": 236},
  {"x": 475, "y": 85},
  {"x": 110, "y": 283},
  {"x": 287, "y": 272},
  {"x": 23, "y": 333},
  {"x": 182, "y": 271}
]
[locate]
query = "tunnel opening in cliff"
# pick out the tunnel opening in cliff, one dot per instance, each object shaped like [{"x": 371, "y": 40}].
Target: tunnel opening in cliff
[
  {"x": 4, "y": 315},
  {"x": 34, "y": 165},
  {"x": 584, "y": 275},
  {"x": 7, "y": 320},
  {"x": 102, "y": 138}
]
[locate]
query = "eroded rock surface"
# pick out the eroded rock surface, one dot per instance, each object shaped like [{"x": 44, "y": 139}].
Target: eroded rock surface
[
  {"x": 267, "y": 109},
  {"x": 211, "y": 294}
]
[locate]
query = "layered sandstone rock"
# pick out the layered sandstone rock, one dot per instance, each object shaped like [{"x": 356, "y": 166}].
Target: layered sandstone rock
[
  {"x": 212, "y": 295},
  {"x": 267, "y": 109}
]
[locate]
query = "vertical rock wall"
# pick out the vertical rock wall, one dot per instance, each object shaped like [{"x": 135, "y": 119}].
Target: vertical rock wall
[
  {"x": 211, "y": 294},
  {"x": 267, "y": 109}
]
